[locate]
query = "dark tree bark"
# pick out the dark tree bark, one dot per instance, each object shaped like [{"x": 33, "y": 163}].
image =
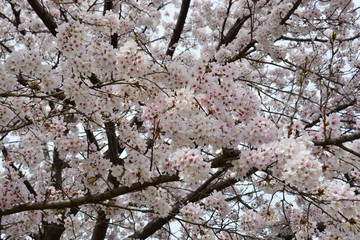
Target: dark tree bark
[
  {"x": 178, "y": 27},
  {"x": 44, "y": 15},
  {"x": 51, "y": 231},
  {"x": 102, "y": 224},
  {"x": 234, "y": 30},
  {"x": 95, "y": 198}
]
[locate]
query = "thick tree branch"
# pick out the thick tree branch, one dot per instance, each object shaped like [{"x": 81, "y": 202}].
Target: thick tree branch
[
  {"x": 113, "y": 151},
  {"x": 337, "y": 141},
  {"x": 95, "y": 198},
  {"x": 223, "y": 160},
  {"x": 234, "y": 30},
  {"x": 54, "y": 230},
  {"x": 178, "y": 27},
  {"x": 57, "y": 169},
  {"x": 94, "y": 79},
  {"x": 44, "y": 15},
  {"x": 102, "y": 224},
  {"x": 26, "y": 182},
  {"x": 51, "y": 231},
  {"x": 92, "y": 139},
  {"x": 291, "y": 12},
  {"x": 224, "y": 24},
  {"x": 108, "y": 5}
]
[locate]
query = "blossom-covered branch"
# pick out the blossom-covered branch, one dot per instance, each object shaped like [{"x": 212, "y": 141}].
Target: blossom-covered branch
[{"x": 95, "y": 198}]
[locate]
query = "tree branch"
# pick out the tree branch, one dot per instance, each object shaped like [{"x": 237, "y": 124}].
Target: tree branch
[
  {"x": 108, "y": 5},
  {"x": 349, "y": 150},
  {"x": 57, "y": 169},
  {"x": 178, "y": 27},
  {"x": 44, "y": 15},
  {"x": 292, "y": 10},
  {"x": 102, "y": 224},
  {"x": 50, "y": 232},
  {"x": 113, "y": 151},
  {"x": 337, "y": 109},
  {"x": 17, "y": 17},
  {"x": 337, "y": 141},
  {"x": 316, "y": 39},
  {"x": 201, "y": 192},
  {"x": 224, "y": 24},
  {"x": 5, "y": 47},
  {"x": 21, "y": 175},
  {"x": 95, "y": 198},
  {"x": 243, "y": 52},
  {"x": 223, "y": 160},
  {"x": 234, "y": 30},
  {"x": 94, "y": 79}
]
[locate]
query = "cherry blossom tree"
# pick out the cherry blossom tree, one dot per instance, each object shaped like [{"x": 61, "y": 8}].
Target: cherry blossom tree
[{"x": 203, "y": 119}]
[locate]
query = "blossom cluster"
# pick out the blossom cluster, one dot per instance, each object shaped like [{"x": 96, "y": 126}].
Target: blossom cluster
[
  {"x": 156, "y": 198},
  {"x": 192, "y": 212},
  {"x": 191, "y": 165},
  {"x": 288, "y": 159},
  {"x": 217, "y": 201},
  {"x": 12, "y": 192}
]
